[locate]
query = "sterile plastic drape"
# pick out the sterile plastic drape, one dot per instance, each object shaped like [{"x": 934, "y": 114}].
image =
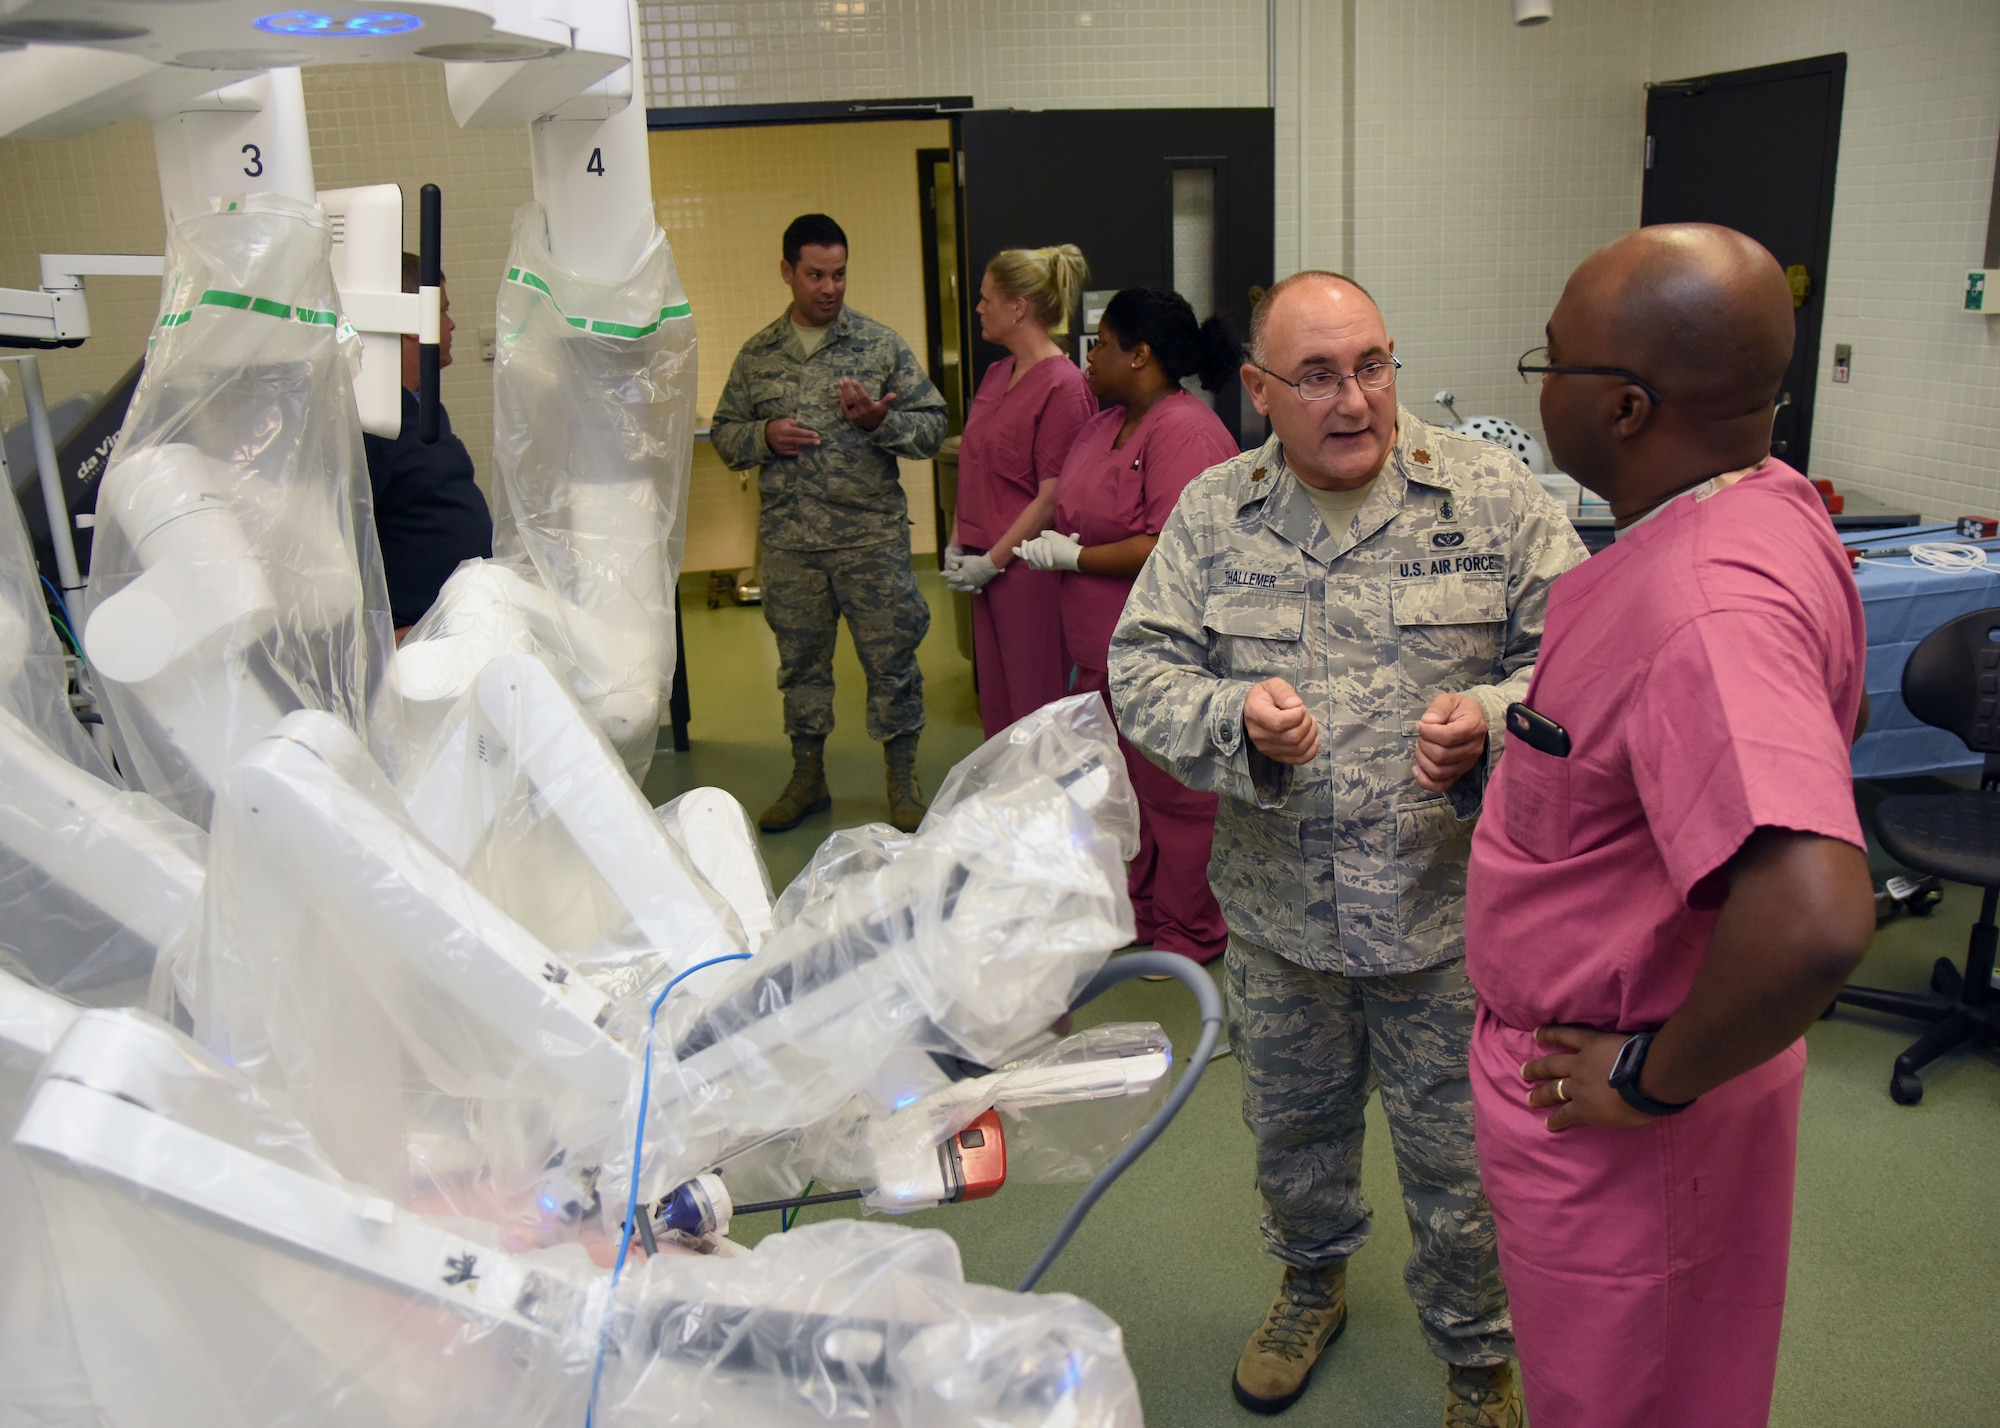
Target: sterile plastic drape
[
  {"x": 235, "y": 574},
  {"x": 594, "y": 387}
]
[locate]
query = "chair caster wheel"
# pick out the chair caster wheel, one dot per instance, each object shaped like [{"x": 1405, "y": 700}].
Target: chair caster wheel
[{"x": 1906, "y": 1088}]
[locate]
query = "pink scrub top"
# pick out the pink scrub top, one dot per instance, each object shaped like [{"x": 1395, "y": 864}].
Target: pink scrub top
[
  {"x": 1707, "y": 668},
  {"x": 1014, "y": 441},
  {"x": 1108, "y": 494}
]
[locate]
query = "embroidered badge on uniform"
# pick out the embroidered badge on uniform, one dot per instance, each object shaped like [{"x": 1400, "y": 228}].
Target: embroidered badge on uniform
[
  {"x": 1421, "y": 457},
  {"x": 1258, "y": 474},
  {"x": 1446, "y": 510}
]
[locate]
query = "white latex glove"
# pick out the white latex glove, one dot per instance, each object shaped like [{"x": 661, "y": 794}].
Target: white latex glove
[
  {"x": 970, "y": 574},
  {"x": 954, "y": 556},
  {"x": 1051, "y": 550}
]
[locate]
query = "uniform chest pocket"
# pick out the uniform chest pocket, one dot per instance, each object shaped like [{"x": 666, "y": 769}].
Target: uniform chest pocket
[
  {"x": 1256, "y": 629},
  {"x": 1449, "y": 624},
  {"x": 1449, "y": 600}
]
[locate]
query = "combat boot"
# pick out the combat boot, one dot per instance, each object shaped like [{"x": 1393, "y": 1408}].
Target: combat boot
[
  {"x": 805, "y": 794},
  {"x": 1482, "y": 1397},
  {"x": 1310, "y": 1312},
  {"x": 906, "y": 804}
]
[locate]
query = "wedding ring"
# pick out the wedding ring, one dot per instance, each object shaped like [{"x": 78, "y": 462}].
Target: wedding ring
[{"x": 1562, "y": 1094}]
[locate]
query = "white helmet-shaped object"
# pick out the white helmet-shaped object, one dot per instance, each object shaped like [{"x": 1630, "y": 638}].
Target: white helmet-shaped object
[{"x": 1502, "y": 432}]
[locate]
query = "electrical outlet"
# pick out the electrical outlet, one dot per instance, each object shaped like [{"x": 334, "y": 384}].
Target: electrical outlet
[
  {"x": 1843, "y": 361},
  {"x": 485, "y": 343}
]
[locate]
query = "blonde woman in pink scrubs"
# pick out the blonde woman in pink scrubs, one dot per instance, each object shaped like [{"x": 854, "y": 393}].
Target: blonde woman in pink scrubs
[
  {"x": 1126, "y": 469},
  {"x": 1028, "y": 409}
]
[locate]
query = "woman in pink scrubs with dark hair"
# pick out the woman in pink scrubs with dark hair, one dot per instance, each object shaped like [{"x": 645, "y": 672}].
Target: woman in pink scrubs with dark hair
[
  {"x": 1126, "y": 469},
  {"x": 1029, "y": 407}
]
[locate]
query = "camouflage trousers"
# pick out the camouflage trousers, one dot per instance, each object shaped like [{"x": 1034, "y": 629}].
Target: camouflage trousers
[
  {"x": 805, "y": 594},
  {"x": 1311, "y": 1044}
]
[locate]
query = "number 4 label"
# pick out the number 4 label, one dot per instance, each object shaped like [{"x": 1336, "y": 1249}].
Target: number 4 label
[{"x": 596, "y": 164}]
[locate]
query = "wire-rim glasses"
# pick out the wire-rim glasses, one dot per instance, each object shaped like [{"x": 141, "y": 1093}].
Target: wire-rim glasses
[
  {"x": 1320, "y": 386},
  {"x": 1535, "y": 364}
]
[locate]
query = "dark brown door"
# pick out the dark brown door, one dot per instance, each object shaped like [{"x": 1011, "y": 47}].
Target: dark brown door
[
  {"x": 1755, "y": 150},
  {"x": 1130, "y": 187}
]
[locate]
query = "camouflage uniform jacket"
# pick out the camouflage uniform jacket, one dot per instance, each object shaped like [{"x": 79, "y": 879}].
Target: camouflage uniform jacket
[
  {"x": 843, "y": 493},
  {"x": 1345, "y": 864}
]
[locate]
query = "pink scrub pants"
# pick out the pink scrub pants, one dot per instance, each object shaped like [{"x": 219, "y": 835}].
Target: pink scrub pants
[
  {"x": 1645, "y": 1266},
  {"x": 1017, "y": 640},
  {"x": 1173, "y": 907}
]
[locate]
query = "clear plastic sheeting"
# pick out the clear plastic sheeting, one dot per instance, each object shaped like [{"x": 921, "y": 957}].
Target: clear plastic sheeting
[
  {"x": 94, "y": 879},
  {"x": 437, "y": 1049},
  {"x": 715, "y": 832},
  {"x": 41, "y": 1376},
  {"x": 1066, "y": 1111},
  {"x": 857, "y": 1323},
  {"x": 235, "y": 574},
  {"x": 193, "y": 1259},
  {"x": 1070, "y": 740},
  {"x": 970, "y": 940},
  {"x": 846, "y": 853},
  {"x": 34, "y": 672},
  {"x": 594, "y": 388},
  {"x": 217, "y": 1270},
  {"x": 521, "y": 791},
  {"x": 484, "y": 610}
]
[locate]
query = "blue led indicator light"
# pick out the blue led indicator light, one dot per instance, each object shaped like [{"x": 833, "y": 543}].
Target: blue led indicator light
[{"x": 356, "y": 24}]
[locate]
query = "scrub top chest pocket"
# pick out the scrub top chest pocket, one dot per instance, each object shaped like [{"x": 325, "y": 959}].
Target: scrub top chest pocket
[{"x": 1256, "y": 622}]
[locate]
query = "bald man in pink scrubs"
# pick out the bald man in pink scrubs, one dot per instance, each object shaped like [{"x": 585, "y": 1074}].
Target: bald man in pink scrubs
[
  {"x": 1126, "y": 469},
  {"x": 1668, "y": 883}
]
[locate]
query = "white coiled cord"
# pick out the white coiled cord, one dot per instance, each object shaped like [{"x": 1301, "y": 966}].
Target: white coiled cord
[{"x": 1948, "y": 555}]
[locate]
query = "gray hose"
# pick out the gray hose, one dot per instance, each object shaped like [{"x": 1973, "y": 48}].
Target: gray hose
[{"x": 1123, "y": 969}]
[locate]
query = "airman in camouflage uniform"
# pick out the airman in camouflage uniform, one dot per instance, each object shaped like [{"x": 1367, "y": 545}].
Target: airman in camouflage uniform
[
  {"x": 1342, "y": 879},
  {"x": 835, "y": 525}
]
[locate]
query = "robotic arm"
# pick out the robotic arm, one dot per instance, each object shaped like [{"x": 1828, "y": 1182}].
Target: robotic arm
[
  {"x": 216, "y": 1267},
  {"x": 82, "y": 841}
]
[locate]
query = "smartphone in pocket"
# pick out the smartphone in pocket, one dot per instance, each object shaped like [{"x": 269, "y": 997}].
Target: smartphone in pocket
[{"x": 1537, "y": 731}]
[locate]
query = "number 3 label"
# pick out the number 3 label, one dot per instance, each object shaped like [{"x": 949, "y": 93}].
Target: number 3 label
[
  {"x": 596, "y": 164},
  {"x": 255, "y": 168}
]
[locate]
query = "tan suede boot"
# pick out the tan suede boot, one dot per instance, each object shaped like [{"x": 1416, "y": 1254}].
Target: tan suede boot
[
  {"x": 1310, "y": 1312},
  {"x": 906, "y": 804},
  {"x": 805, "y": 794},
  {"x": 1481, "y": 1397}
]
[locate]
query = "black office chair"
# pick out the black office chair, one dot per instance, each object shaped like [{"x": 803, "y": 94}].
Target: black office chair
[{"x": 1952, "y": 681}]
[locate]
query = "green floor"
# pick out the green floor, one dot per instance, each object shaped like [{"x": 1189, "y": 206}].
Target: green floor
[{"x": 1895, "y": 1255}]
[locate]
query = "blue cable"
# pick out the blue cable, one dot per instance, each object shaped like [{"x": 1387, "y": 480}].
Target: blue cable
[
  {"x": 638, "y": 1147},
  {"x": 67, "y": 621}
]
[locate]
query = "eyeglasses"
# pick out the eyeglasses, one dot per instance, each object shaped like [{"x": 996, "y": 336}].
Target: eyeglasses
[
  {"x": 1534, "y": 364},
  {"x": 1322, "y": 386}
]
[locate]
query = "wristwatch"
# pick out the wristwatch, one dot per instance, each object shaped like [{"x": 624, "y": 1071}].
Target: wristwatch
[{"x": 1625, "y": 1078}]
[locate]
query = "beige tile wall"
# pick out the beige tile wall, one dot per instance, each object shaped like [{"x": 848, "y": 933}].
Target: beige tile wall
[
  {"x": 1487, "y": 161},
  {"x": 724, "y": 197},
  {"x": 1920, "y": 421},
  {"x": 1024, "y": 53},
  {"x": 1481, "y": 163}
]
